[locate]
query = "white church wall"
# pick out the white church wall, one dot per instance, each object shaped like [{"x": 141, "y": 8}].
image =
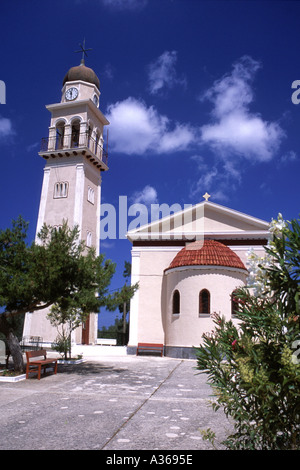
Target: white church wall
[
  {"x": 242, "y": 251},
  {"x": 146, "y": 307},
  {"x": 37, "y": 324},
  {"x": 57, "y": 209}
]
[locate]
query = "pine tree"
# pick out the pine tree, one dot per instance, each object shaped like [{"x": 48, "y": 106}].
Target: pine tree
[{"x": 56, "y": 269}]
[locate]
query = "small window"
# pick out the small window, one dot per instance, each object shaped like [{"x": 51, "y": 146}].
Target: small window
[
  {"x": 176, "y": 302},
  {"x": 89, "y": 239},
  {"x": 91, "y": 195},
  {"x": 61, "y": 189},
  {"x": 204, "y": 302}
]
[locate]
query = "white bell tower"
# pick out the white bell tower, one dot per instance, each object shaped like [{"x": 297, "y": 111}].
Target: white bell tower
[{"x": 75, "y": 159}]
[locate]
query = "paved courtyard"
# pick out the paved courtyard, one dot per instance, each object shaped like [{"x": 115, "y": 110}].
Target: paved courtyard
[{"x": 111, "y": 402}]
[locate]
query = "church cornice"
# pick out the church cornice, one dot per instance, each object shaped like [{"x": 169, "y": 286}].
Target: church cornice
[
  {"x": 247, "y": 241},
  {"x": 88, "y": 103},
  {"x": 193, "y": 270}
]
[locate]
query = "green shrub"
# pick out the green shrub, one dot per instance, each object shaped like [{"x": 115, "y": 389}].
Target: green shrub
[
  {"x": 253, "y": 367},
  {"x": 62, "y": 345}
]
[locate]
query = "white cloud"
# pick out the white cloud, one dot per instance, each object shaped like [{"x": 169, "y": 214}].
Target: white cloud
[
  {"x": 108, "y": 71},
  {"x": 217, "y": 181},
  {"x": 220, "y": 179},
  {"x": 107, "y": 245},
  {"x": 138, "y": 129},
  {"x": 289, "y": 157},
  {"x": 208, "y": 178},
  {"x": 32, "y": 147},
  {"x": 6, "y": 129},
  {"x": 233, "y": 92},
  {"x": 162, "y": 73},
  {"x": 147, "y": 196},
  {"x": 134, "y": 127},
  {"x": 244, "y": 135},
  {"x": 236, "y": 136},
  {"x": 234, "y": 129},
  {"x": 178, "y": 139}
]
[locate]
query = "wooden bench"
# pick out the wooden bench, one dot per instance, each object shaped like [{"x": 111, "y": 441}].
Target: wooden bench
[
  {"x": 150, "y": 347},
  {"x": 37, "y": 365}
]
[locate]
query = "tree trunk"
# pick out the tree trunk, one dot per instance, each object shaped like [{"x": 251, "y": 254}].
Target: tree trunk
[
  {"x": 15, "y": 351},
  {"x": 124, "y": 324}
]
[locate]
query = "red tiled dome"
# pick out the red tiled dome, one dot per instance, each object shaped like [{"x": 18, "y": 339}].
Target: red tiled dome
[{"x": 207, "y": 253}]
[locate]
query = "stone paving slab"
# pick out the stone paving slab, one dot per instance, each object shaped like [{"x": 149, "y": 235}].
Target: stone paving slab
[{"x": 111, "y": 403}]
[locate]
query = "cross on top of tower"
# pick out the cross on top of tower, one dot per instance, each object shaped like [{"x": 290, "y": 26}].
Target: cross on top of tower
[{"x": 83, "y": 50}]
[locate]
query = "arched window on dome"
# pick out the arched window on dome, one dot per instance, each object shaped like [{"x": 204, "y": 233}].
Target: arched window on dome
[
  {"x": 59, "y": 136},
  {"x": 204, "y": 302},
  {"x": 234, "y": 303},
  {"x": 176, "y": 302}
]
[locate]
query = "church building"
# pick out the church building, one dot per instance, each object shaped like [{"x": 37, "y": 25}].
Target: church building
[
  {"x": 188, "y": 266},
  {"x": 71, "y": 189}
]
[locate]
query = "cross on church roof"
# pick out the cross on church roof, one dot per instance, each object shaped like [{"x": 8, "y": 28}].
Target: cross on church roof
[
  {"x": 206, "y": 196},
  {"x": 83, "y": 50}
]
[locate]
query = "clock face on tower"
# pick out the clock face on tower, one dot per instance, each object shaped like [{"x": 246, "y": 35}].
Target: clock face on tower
[{"x": 71, "y": 94}]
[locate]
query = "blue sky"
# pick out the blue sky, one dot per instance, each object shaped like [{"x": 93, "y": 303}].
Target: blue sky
[{"x": 198, "y": 94}]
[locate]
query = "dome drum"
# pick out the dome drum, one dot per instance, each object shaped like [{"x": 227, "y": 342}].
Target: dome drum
[{"x": 201, "y": 278}]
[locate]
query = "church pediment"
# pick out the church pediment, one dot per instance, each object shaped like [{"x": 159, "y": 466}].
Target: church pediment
[{"x": 204, "y": 219}]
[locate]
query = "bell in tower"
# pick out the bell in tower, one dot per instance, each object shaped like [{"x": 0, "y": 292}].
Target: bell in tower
[{"x": 71, "y": 190}]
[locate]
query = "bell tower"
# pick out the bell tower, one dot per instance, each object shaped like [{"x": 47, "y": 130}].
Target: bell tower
[{"x": 74, "y": 161}]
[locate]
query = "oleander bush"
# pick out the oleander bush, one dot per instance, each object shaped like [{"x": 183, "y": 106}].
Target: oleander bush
[{"x": 253, "y": 365}]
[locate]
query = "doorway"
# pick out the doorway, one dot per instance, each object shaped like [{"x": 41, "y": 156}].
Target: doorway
[{"x": 85, "y": 331}]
